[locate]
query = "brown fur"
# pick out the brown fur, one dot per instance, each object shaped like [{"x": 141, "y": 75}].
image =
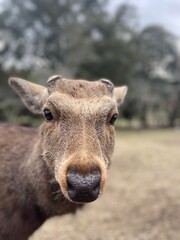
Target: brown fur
[{"x": 34, "y": 163}]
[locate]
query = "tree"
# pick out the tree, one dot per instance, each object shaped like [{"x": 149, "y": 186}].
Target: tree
[
  {"x": 53, "y": 33},
  {"x": 156, "y": 56},
  {"x": 114, "y": 54},
  {"x": 82, "y": 39}
]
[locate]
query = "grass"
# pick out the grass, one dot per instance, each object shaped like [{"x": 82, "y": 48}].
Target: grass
[{"x": 142, "y": 197}]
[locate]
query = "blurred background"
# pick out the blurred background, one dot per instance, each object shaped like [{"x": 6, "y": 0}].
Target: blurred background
[
  {"x": 132, "y": 42},
  {"x": 136, "y": 43}
]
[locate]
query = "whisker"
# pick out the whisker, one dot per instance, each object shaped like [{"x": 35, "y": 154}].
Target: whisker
[{"x": 56, "y": 192}]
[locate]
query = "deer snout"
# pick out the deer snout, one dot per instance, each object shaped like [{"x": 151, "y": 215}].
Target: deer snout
[{"x": 83, "y": 187}]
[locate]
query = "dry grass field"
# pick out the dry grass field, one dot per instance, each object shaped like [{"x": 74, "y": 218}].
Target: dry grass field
[{"x": 142, "y": 197}]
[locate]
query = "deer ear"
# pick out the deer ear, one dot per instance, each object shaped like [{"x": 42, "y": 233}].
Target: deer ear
[
  {"x": 119, "y": 94},
  {"x": 31, "y": 94}
]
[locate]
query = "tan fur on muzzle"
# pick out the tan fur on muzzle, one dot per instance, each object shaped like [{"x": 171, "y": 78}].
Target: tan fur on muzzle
[{"x": 83, "y": 165}]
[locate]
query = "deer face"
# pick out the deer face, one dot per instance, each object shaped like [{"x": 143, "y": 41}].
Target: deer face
[{"x": 77, "y": 136}]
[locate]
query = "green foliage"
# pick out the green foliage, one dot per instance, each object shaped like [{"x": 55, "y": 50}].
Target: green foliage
[{"x": 83, "y": 39}]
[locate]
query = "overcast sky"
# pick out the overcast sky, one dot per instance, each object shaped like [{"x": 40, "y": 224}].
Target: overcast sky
[{"x": 164, "y": 12}]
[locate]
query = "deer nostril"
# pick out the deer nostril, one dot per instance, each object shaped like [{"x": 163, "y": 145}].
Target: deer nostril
[
  {"x": 70, "y": 187},
  {"x": 96, "y": 189}
]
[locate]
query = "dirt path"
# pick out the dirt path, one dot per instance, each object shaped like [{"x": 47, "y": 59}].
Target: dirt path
[{"x": 142, "y": 197}]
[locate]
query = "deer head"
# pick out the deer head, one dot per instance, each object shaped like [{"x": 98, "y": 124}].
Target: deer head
[{"x": 77, "y": 135}]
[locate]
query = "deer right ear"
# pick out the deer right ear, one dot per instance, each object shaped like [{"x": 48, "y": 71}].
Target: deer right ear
[
  {"x": 119, "y": 94},
  {"x": 32, "y": 95}
]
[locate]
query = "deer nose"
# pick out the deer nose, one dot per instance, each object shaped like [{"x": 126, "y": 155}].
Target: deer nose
[{"x": 83, "y": 188}]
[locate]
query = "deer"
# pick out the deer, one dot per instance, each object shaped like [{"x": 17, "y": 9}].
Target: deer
[{"x": 62, "y": 165}]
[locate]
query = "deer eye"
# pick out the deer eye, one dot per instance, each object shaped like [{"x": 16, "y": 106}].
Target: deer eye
[
  {"x": 113, "y": 119},
  {"x": 48, "y": 115}
]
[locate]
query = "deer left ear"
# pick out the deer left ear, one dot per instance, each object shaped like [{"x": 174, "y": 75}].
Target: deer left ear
[
  {"x": 119, "y": 94},
  {"x": 31, "y": 94}
]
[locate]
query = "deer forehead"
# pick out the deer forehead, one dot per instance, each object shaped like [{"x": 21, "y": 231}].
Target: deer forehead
[
  {"x": 80, "y": 88},
  {"x": 84, "y": 106}
]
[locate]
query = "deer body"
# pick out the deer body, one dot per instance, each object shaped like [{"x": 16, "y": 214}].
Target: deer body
[
  {"x": 54, "y": 170},
  {"x": 28, "y": 193}
]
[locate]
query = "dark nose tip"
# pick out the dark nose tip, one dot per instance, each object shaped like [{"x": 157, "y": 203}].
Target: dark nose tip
[{"x": 83, "y": 188}]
